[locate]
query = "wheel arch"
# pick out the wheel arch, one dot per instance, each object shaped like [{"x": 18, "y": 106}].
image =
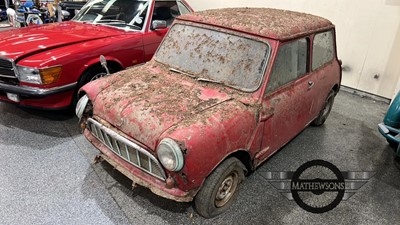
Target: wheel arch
[
  {"x": 113, "y": 65},
  {"x": 244, "y": 157},
  {"x": 336, "y": 88}
]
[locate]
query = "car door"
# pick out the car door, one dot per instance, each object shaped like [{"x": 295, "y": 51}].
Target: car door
[
  {"x": 287, "y": 100},
  {"x": 165, "y": 11},
  {"x": 325, "y": 67}
]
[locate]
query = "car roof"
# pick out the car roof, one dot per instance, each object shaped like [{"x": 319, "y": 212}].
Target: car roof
[{"x": 266, "y": 22}]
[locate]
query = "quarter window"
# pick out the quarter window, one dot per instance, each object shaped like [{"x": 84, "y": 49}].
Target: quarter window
[
  {"x": 166, "y": 10},
  {"x": 290, "y": 63},
  {"x": 322, "y": 49},
  {"x": 182, "y": 8}
]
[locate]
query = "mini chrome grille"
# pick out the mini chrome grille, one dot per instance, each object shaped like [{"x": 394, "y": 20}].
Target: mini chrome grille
[
  {"x": 7, "y": 68},
  {"x": 126, "y": 149}
]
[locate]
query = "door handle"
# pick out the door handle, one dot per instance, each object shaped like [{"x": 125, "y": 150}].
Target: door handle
[
  {"x": 310, "y": 84},
  {"x": 264, "y": 116}
]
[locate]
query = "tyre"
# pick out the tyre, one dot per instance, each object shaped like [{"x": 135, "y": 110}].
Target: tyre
[
  {"x": 392, "y": 144},
  {"x": 220, "y": 188},
  {"x": 91, "y": 74},
  {"x": 324, "y": 113}
]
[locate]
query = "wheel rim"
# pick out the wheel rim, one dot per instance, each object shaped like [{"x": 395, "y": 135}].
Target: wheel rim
[
  {"x": 97, "y": 76},
  {"x": 226, "y": 189}
]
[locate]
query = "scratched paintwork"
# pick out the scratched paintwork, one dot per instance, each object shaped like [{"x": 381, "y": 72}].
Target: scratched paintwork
[{"x": 210, "y": 121}]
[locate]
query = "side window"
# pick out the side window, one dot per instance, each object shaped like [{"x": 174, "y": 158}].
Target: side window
[
  {"x": 166, "y": 10},
  {"x": 182, "y": 8},
  {"x": 290, "y": 63},
  {"x": 323, "y": 49}
]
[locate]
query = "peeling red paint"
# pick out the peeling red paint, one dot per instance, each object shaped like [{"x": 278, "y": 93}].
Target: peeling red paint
[{"x": 146, "y": 101}]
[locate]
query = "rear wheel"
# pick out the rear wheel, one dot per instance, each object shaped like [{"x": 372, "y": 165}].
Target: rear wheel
[
  {"x": 324, "y": 113},
  {"x": 220, "y": 188}
]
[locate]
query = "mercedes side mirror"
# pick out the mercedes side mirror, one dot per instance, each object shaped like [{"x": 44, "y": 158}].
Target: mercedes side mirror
[{"x": 158, "y": 24}]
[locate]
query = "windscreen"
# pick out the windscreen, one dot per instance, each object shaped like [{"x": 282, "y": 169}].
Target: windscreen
[
  {"x": 124, "y": 14},
  {"x": 217, "y": 56}
]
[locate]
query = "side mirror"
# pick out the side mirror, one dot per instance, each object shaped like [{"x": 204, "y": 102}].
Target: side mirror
[
  {"x": 103, "y": 63},
  {"x": 158, "y": 24}
]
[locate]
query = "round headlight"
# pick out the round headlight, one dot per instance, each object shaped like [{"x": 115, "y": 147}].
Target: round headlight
[
  {"x": 81, "y": 105},
  {"x": 170, "y": 154}
]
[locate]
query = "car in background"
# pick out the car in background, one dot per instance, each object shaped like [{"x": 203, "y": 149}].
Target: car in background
[
  {"x": 72, "y": 7},
  {"x": 44, "y": 66},
  {"x": 3, "y": 12},
  {"x": 226, "y": 89},
  {"x": 390, "y": 127}
]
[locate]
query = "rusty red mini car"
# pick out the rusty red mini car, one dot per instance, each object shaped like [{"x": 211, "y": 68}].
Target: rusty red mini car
[
  {"x": 44, "y": 66},
  {"x": 225, "y": 90}
]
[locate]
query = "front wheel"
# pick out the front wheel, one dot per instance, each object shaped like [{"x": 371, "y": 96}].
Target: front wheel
[
  {"x": 220, "y": 188},
  {"x": 92, "y": 74},
  {"x": 324, "y": 113}
]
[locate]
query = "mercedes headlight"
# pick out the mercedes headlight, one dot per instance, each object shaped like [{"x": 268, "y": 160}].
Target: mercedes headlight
[
  {"x": 170, "y": 155},
  {"x": 32, "y": 75}
]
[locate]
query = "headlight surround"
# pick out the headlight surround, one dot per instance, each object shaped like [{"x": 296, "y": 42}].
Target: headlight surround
[
  {"x": 170, "y": 155},
  {"x": 29, "y": 75},
  {"x": 48, "y": 75},
  {"x": 81, "y": 105}
]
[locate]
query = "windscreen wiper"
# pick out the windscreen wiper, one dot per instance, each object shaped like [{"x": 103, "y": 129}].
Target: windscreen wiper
[
  {"x": 208, "y": 80},
  {"x": 181, "y": 72},
  {"x": 194, "y": 77}
]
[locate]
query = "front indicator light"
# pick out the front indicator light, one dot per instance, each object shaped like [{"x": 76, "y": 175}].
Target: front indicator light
[{"x": 50, "y": 75}]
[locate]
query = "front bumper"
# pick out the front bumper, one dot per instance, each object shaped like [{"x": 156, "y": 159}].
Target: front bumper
[
  {"x": 139, "y": 177},
  {"x": 34, "y": 92},
  {"x": 40, "y": 98},
  {"x": 391, "y": 134}
]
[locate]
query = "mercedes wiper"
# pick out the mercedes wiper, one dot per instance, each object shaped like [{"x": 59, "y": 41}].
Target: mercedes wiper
[{"x": 110, "y": 21}]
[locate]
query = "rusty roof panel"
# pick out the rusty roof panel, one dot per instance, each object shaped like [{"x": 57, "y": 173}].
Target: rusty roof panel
[{"x": 273, "y": 23}]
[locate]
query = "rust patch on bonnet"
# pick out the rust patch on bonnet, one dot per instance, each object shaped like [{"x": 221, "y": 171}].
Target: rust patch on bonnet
[{"x": 148, "y": 100}]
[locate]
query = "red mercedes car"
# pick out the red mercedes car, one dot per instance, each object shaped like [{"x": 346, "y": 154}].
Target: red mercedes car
[{"x": 44, "y": 66}]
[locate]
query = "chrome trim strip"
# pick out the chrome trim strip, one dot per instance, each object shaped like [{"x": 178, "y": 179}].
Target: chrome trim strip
[
  {"x": 13, "y": 69},
  {"x": 7, "y": 76},
  {"x": 383, "y": 128},
  {"x": 36, "y": 92},
  {"x": 139, "y": 150}
]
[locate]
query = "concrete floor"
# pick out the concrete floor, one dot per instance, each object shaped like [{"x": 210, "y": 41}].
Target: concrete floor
[{"x": 47, "y": 175}]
